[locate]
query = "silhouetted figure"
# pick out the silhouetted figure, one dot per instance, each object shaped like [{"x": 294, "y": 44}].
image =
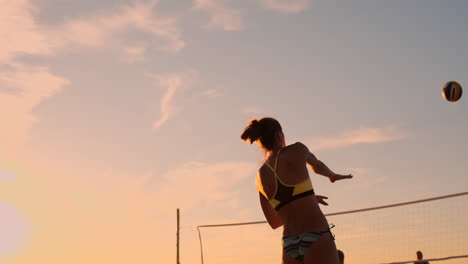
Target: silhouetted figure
[
  {"x": 288, "y": 198},
  {"x": 419, "y": 257},
  {"x": 341, "y": 256}
]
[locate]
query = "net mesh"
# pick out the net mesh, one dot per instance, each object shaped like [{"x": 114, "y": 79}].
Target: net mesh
[{"x": 437, "y": 226}]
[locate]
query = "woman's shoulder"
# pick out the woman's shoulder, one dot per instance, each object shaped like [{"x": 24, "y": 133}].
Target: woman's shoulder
[
  {"x": 298, "y": 147},
  {"x": 297, "y": 151}
]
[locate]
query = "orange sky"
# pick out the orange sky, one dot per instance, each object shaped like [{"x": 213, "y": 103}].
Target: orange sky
[{"x": 115, "y": 113}]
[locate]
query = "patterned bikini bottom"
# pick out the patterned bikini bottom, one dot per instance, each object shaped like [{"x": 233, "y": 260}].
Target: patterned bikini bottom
[{"x": 296, "y": 246}]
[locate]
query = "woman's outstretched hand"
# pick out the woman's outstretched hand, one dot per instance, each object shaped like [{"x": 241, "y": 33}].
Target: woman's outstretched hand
[
  {"x": 321, "y": 199},
  {"x": 338, "y": 177}
]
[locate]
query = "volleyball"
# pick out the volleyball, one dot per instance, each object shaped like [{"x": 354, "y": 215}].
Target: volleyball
[{"x": 452, "y": 91}]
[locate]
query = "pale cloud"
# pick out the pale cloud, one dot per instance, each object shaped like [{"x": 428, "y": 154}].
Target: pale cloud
[
  {"x": 171, "y": 83},
  {"x": 27, "y": 87},
  {"x": 97, "y": 30},
  {"x": 134, "y": 54},
  {"x": 209, "y": 183},
  {"x": 357, "y": 136},
  {"x": 211, "y": 93},
  {"x": 226, "y": 18},
  {"x": 286, "y": 6},
  {"x": 106, "y": 27},
  {"x": 252, "y": 110},
  {"x": 166, "y": 103},
  {"x": 24, "y": 87},
  {"x": 20, "y": 32}
]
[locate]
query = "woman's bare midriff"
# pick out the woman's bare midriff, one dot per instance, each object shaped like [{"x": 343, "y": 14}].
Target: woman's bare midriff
[{"x": 301, "y": 216}]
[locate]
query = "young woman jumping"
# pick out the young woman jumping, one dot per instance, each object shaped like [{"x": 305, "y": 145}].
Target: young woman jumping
[{"x": 287, "y": 197}]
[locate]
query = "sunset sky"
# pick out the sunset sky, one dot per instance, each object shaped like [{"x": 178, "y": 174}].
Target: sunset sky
[{"x": 116, "y": 113}]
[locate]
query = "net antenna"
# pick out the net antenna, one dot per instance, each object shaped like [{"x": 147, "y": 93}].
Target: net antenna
[{"x": 348, "y": 212}]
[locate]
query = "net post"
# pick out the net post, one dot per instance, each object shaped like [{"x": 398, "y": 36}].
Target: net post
[{"x": 178, "y": 228}]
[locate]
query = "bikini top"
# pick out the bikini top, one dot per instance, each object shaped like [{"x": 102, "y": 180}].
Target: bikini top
[{"x": 285, "y": 193}]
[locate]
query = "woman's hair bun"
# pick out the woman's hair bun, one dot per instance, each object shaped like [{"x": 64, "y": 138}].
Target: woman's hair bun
[
  {"x": 252, "y": 132},
  {"x": 264, "y": 130}
]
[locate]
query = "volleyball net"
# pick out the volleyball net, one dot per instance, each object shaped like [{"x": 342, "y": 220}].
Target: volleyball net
[{"x": 390, "y": 234}]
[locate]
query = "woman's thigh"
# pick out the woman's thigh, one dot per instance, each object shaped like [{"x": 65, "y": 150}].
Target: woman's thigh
[
  {"x": 289, "y": 260},
  {"x": 322, "y": 251}
]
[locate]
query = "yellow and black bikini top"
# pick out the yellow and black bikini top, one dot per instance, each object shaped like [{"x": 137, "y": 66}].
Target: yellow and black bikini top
[{"x": 285, "y": 193}]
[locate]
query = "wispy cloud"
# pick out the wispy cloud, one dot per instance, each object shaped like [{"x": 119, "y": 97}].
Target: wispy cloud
[
  {"x": 171, "y": 83},
  {"x": 358, "y": 136},
  {"x": 166, "y": 102},
  {"x": 223, "y": 17},
  {"x": 286, "y": 6},
  {"x": 97, "y": 30},
  {"x": 23, "y": 86},
  {"x": 24, "y": 35},
  {"x": 212, "y": 93},
  {"x": 106, "y": 27},
  {"x": 28, "y": 86}
]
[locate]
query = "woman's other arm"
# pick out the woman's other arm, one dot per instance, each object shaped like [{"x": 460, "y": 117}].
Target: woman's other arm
[
  {"x": 320, "y": 168},
  {"x": 270, "y": 213}
]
